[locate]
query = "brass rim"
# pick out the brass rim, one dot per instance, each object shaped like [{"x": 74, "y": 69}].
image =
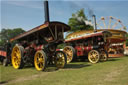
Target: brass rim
[
  {"x": 103, "y": 56},
  {"x": 39, "y": 60},
  {"x": 93, "y": 56},
  {"x": 16, "y": 57},
  {"x": 60, "y": 60},
  {"x": 69, "y": 54}
]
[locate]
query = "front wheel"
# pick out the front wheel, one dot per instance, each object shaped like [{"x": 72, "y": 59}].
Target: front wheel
[
  {"x": 93, "y": 56},
  {"x": 17, "y": 57},
  {"x": 40, "y": 60},
  {"x": 60, "y": 59}
]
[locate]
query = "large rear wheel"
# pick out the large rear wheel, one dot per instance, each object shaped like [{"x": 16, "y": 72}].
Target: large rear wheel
[
  {"x": 70, "y": 52},
  {"x": 93, "y": 56},
  {"x": 40, "y": 60},
  {"x": 17, "y": 57},
  {"x": 60, "y": 59}
]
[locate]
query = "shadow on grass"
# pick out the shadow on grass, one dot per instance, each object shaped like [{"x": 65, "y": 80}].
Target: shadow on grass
[
  {"x": 3, "y": 82},
  {"x": 76, "y": 66},
  {"x": 52, "y": 68},
  {"x": 28, "y": 66},
  {"x": 113, "y": 59},
  {"x": 126, "y": 56},
  {"x": 49, "y": 68}
]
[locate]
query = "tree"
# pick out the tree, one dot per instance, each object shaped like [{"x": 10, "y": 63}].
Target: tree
[
  {"x": 61, "y": 46},
  {"x": 78, "y": 21},
  {"x": 7, "y": 34},
  {"x": 126, "y": 39}
]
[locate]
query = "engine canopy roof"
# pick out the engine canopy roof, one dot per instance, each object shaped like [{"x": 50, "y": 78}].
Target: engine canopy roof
[{"x": 41, "y": 29}]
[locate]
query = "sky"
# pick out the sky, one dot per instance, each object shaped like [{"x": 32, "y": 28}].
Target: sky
[{"x": 28, "y": 14}]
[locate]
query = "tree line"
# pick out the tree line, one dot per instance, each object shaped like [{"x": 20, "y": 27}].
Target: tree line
[{"x": 7, "y": 34}]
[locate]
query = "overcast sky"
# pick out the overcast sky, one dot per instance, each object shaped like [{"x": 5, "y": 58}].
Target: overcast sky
[{"x": 28, "y": 14}]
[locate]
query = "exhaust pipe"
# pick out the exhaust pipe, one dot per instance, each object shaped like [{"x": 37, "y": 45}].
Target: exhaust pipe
[
  {"x": 94, "y": 21},
  {"x": 46, "y": 11}
]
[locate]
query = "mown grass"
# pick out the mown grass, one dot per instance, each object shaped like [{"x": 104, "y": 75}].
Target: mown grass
[{"x": 112, "y": 72}]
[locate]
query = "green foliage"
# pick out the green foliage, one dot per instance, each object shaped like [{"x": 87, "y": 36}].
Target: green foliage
[
  {"x": 60, "y": 46},
  {"x": 126, "y": 39},
  {"x": 125, "y": 28},
  {"x": 77, "y": 21},
  {"x": 7, "y": 34}
]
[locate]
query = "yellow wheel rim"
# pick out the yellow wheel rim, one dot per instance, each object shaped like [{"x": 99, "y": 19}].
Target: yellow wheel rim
[
  {"x": 69, "y": 54},
  {"x": 39, "y": 60},
  {"x": 93, "y": 56},
  {"x": 60, "y": 60},
  {"x": 16, "y": 57},
  {"x": 103, "y": 56}
]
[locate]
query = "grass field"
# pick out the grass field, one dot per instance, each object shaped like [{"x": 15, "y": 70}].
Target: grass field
[{"x": 112, "y": 72}]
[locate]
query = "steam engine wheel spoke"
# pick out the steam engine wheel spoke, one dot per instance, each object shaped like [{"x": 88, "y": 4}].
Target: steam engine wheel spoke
[
  {"x": 60, "y": 59},
  {"x": 70, "y": 51},
  {"x": 93, "y": 56},
  {"x": 17, "y": 54},
  {"x": 40, "y": 60}
]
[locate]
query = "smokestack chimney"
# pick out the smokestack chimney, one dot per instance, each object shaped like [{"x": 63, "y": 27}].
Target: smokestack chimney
[
  {"x": 94, "y": 21},
  {"x": 46, "y": 11}
]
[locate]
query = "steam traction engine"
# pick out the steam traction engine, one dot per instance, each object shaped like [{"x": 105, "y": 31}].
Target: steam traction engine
[
  {"x": 82, "y": 43},
  {"x": 92, "y": 45},
  {"x": 38, "y": 46}
]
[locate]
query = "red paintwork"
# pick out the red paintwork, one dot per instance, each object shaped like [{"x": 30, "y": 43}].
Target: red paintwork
[
  {"x": 40, "y": 47},
  {"x": 3, "y": 53},
  {"x": 88, "y": 48},
  {"x": 115, "y": 40},
  {"x": 57, "y": 49},
  {"x": 81, "y": 50}
]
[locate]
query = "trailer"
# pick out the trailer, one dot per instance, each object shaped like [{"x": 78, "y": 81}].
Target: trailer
[
  {"x": 2, "y": 55},
  {"x": 5, "y": 54}
]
